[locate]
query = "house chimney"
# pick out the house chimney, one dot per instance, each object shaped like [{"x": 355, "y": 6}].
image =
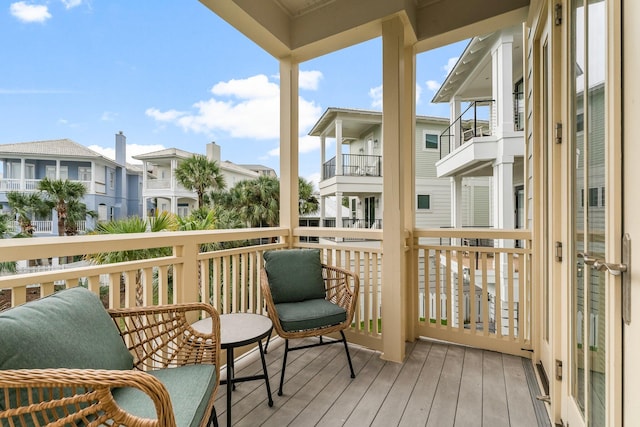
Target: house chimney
[
  {"x": 213, "y": 152},
  {"x": 121, "y": 149}
]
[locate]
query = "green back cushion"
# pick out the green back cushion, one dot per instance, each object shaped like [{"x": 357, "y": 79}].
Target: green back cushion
[
  {"x": 69, "y": 329},
  {"x": 294, "y": 275}
]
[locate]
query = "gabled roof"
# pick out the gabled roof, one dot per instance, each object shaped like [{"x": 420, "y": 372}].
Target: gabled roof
[
  {"x": 60, "y": 148},
  {"x": 356, "y": 121},
  {"x": 164, "y": 154}
]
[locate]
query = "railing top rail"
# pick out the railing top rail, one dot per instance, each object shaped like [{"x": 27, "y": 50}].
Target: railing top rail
[
  {"x": 20, "y": 249},
  {"x": 479, "y": 233},
  {"x": 358, "y": 233}
]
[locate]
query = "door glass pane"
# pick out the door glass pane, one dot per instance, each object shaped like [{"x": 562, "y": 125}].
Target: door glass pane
[
  {"x": 596, "y": 182},
  {"x": 577, "y": 291},
  {"x": 589, "y": 297}
]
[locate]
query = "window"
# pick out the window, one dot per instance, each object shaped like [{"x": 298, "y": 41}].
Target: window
[
  {"x": 50, "y": 172},
  {"x": 424, "y": 201},
  {"x": 593, "y": 197},
  {"x": 102, "y": 212},
  {"x": 430, "y": 141},
  {"x": 64, "y": 172},
  {"x": 84, "y": 173},
  {"x": 112, "y": 180}
]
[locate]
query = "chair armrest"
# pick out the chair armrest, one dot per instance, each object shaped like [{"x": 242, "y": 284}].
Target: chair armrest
[
  {"x": 162, "y": 336},
  {"x": 342, "y": 288},
  {"x": 78, "y": 396}
]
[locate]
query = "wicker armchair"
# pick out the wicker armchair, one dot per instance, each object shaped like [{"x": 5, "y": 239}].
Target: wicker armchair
[
  {"x": 55, "y": 384},
  {"x": 305, "y": 298}
]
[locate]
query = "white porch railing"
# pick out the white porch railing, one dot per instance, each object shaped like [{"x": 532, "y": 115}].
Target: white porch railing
[
  {"x": 479, "y": 296},
  {"x": 474, "y": 295}
]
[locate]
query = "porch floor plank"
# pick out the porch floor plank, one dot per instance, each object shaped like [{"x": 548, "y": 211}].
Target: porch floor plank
[{"x": 439, "y": 384}]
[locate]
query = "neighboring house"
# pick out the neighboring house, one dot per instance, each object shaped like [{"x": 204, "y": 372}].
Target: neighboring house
[
  {"x": 113, "y": 187},
  {"x": 161, "y": 192},
  {"x": 355, "y": 172},
  {"x": 486, "y": 139},
  {"x": 261, "y": 169}
]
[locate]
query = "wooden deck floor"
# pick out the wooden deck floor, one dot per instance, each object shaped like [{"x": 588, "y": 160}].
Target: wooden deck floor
[{"x": 437, "y": 385}]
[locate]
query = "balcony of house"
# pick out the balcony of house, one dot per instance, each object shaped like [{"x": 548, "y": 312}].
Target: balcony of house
[
  {"x": 27, "y": 185},
  {"x": 478, "y": 299},
  {"x": 356, "y": 173},
  {"x": 473, "y": 142}
]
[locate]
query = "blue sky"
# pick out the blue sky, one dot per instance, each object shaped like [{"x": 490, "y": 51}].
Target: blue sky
[{"x": 173, "y": 74}]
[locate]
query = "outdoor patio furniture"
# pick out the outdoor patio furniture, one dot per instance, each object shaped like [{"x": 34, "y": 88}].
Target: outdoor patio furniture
[
  {"x": 65, "y": 359},
  {"x": 306, "y": 298}
]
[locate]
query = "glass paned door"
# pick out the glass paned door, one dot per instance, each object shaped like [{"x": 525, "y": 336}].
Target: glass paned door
[{"x": 588, "y": 292}]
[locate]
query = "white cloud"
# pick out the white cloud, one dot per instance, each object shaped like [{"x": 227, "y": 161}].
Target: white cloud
[
  {"x": 450, "y": 64},
  {"x": 132, "y": 150},
  {"x": 70, "y": 4},
  {"x": 432, "y": 85},
  {"x": 108, "y": 116},
  {"x": 29, "y": 12},
  {"x": 375, "y": 93},
  {"x": 241, "y": 108},
  {"x": 306, "y": 143},
  {"x": 309, "y": 79},
  {"x": 166, "y": 116}
]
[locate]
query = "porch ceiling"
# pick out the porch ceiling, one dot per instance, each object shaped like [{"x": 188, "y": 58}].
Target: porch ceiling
[{"x": 304, "y": 29}]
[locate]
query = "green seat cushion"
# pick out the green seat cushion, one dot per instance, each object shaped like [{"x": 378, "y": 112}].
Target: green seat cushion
[
  {"x": 310, "y": 314},
  {"x": 294, "y": 275},
  {"x": 189, "y": 388},
  {"x": 69, "y": 329}
]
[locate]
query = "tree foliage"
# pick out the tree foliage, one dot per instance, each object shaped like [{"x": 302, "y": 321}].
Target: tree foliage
[
  {"x": 257, "y": 201},
  {"x": 58, "y": 193},
  {"x": 199, "y": 174}
]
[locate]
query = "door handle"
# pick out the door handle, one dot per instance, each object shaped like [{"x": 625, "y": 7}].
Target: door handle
[{"x": 616, "y": 269}]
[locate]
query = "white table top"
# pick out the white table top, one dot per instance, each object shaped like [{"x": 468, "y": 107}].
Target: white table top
[{"x": 237, "y": 329}]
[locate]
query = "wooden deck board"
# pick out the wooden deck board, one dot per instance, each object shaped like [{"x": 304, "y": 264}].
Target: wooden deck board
[
  {"x": 494, "y": 396},
  {"x": 439, "y": 384},
  {"x": 469, "y": 406}
]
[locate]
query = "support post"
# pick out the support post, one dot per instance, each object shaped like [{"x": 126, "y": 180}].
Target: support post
[{"x": 288, "y": 144}]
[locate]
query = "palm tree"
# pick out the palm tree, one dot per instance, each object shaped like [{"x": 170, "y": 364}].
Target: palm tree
[
  {"x": 58, "y": 193},
  {"x": 76, "y": 212},
  {"x": 200, "y": 174},
  {"x": 5, "y": 226},
  {"x": 24, "y": 206},
  {"x": 257, "y": 201},
  {"x": 163, "y": 222},
  {"x": 308, "y": 202}
]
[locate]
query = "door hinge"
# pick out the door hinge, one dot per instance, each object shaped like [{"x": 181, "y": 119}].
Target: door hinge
[
  {"x": 559, "y": 251},
  {"x": 558, "y": 14},
  {"x": 558, "y": 133},
  {"x": 558, "y": 370}
]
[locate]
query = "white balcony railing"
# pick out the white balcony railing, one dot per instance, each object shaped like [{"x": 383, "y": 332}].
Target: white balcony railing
[
  {"x": 11, "y": 184},
  {"x": 479, "y": 296}
]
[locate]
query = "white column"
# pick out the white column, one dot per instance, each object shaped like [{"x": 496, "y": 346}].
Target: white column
[
  {"x": 338, "y": 209},
  {"x": 323, "y": 156},
  {"x": 93, "y": 178},
  {"x": 22, "y": 174},
  {"x": 502, "y": 84},
  {"x": 456, "y": 133},
  {"x": 174, "y": 204},
  {"x": 339, "y": 170},
  {"x": 396, "y": 107},
  {"x": 172, "y": 178},
  {"x": 504, "y": 208},
  {"x": 57, "y": 168},
  {"x": 289, "y": 143},
  {"x": 456, "y": 205},
  {"x": 323, "y": 213}
]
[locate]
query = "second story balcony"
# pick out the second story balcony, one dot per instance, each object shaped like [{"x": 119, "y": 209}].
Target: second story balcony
[
  {"x": 16, "y": 184},
  {"x": 353, "y": 165}
]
